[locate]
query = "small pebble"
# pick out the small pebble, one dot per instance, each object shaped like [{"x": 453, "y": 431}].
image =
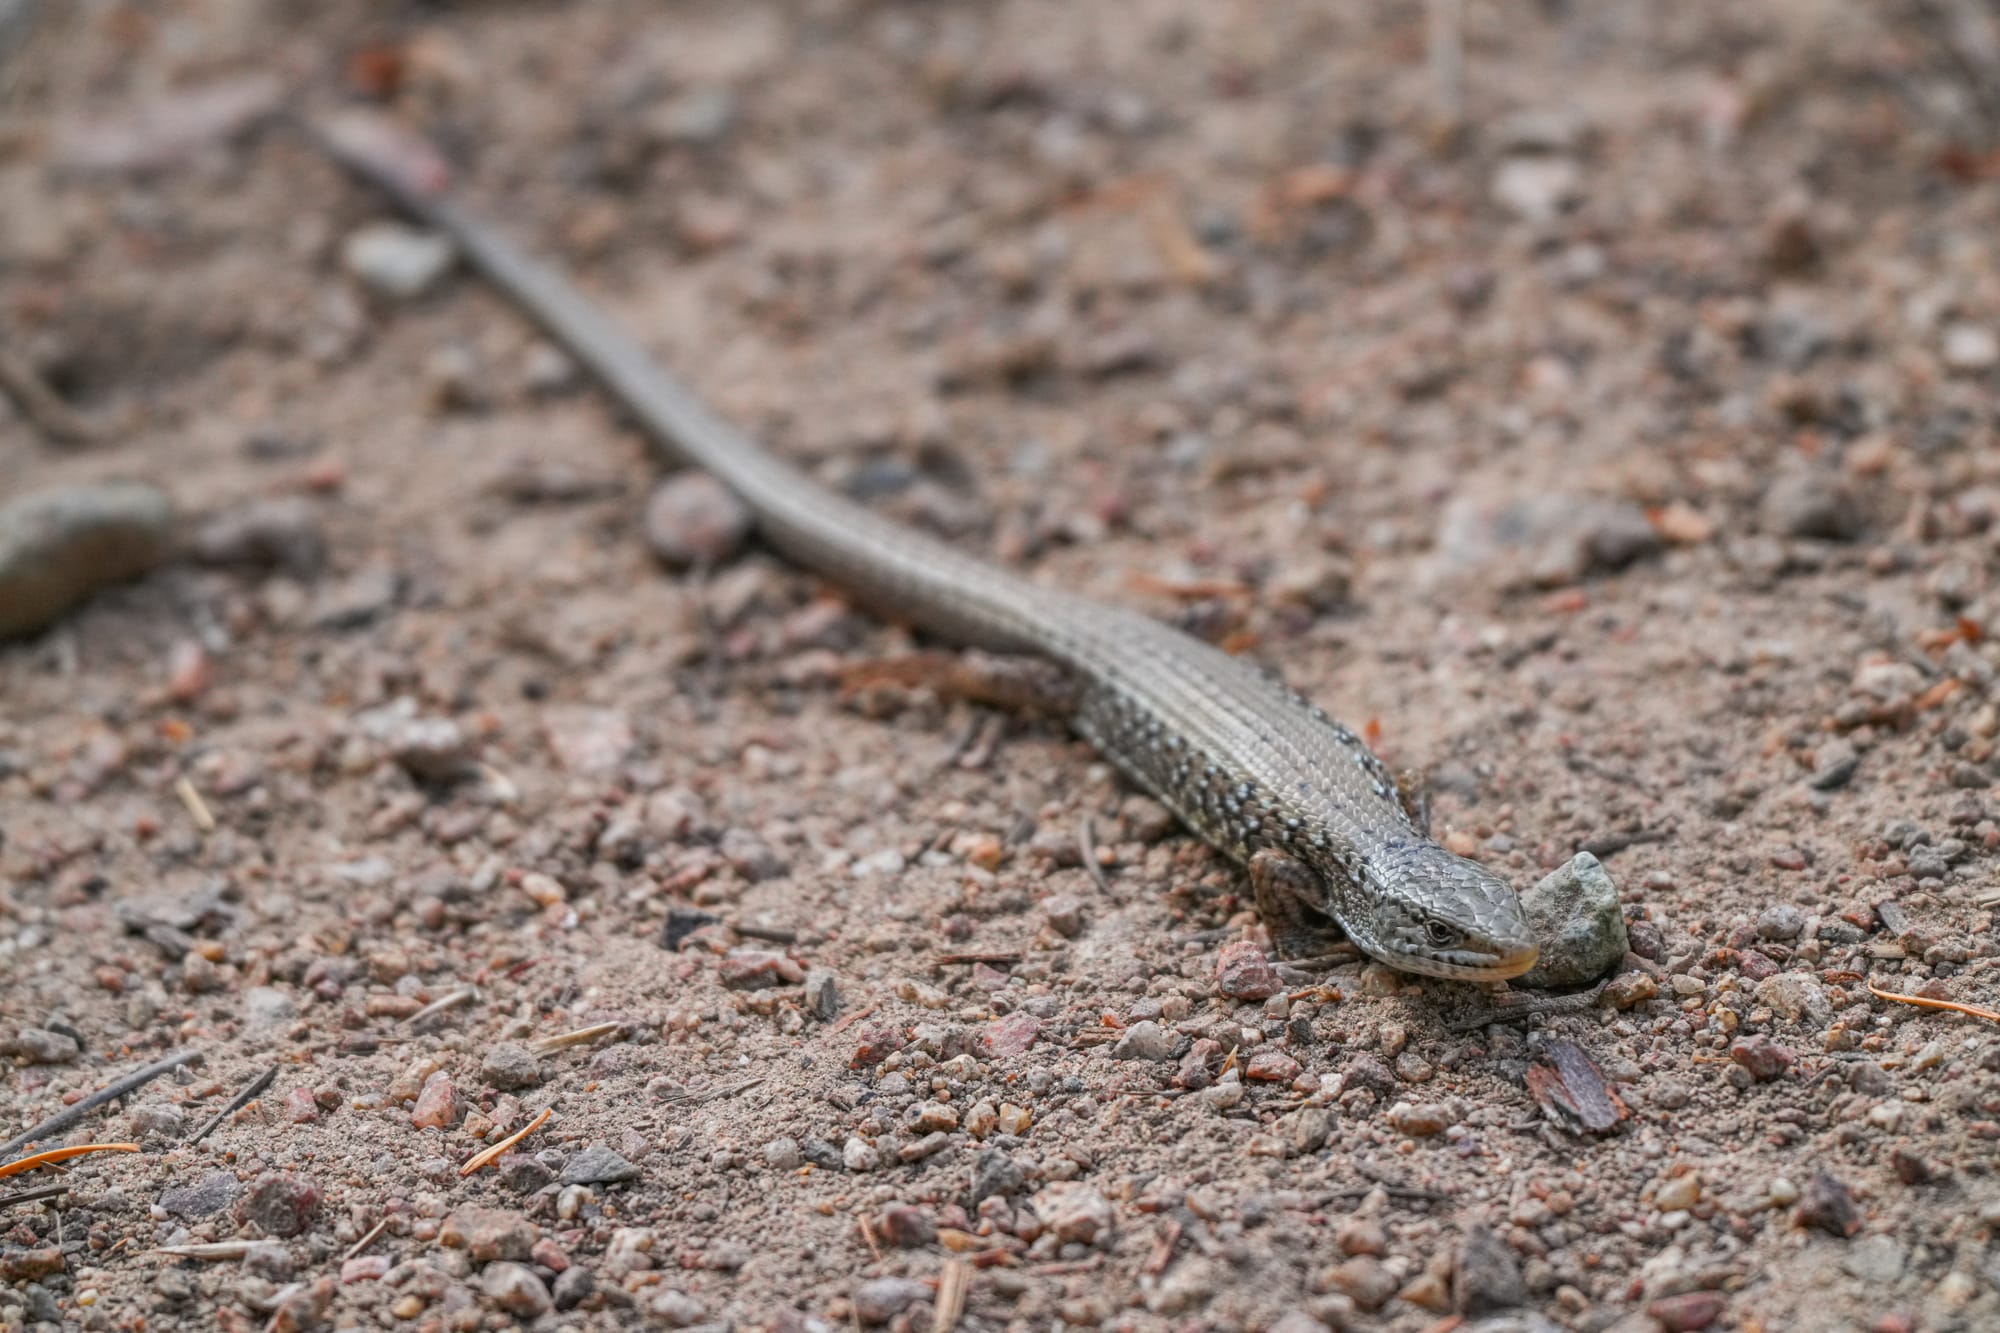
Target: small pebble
[
  {"x": 1243, "y": 973},
  {"x": 1827, "y": 1206},
  {"x": 1762, "y": 1057},
  {"x": 510, "y": 1066},
  {"x": 880, "y": 1299},
  {"x": 1418, "y": 1121},
  {"x": 1074, "y": 1212},
  {"x": 1144, "y": 1041},
  {"x": 437, "y": 1104},
  {"x": 1487, "y": 1276},
  {"x": 280, "y": 1203},
  {"x": 396, "y": 261},
  {"x": 488, "y": 1234},
  {"x": 694, "y": 521},
  {"x": 1687, "y": 1312},
  {"x": 515, "y": 1289},
  {"x": 597, "y": 1165},
  {"x": 1629, "y": 990}
]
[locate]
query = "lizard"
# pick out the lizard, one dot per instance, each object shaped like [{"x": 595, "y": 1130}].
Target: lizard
[{"x": 1332, "y": 844}]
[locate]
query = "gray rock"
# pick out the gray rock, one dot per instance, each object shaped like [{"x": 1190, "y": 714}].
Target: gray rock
[
  {"x": 881, "y": 1299},
  {"x": 1575, "y": 915},
  {"x": 515, "y": 1289},
  {"x": 157, "y": 1120},
  {"x": 396, "y": 261},
  {"x": 1876, "y": 1260},
  {"x": 1780, "y": 921},
  {"x": 1537, "y": 189},
  {"x": 269, "y": 1260},
  {"x": 1795, "y": 998},
  {"x": 39, "y": 1046},
  {"x": 598, "y": 1165},
  {"x": 57, "y": 547},
  {"x": 510, "y": 1065},
  {"x": 431, "y": 749},
  {"x": 1144, "y": 1041},
  {"x": 1488, "y": 1276},
  {"x": 677, "y": 1309},
  {"x": 822, "y": 997},
  {"x": 206, "y": 1197},
  {"x": 1810, "y": 504},
  {"x": 267, "y": 1007},
  {"x": 573, "y": 1287}
]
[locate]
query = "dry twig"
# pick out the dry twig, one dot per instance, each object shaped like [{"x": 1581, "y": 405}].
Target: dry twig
[
  {"x": 132, "y": 1082},
  {"x": 1925, "y": 1002},
  {"x": 578, "y": 1037},
  {"x": 493, "y": 1154},
  {"x": 51, "y": 1156},
  {"x": 236, "y": 1103}
]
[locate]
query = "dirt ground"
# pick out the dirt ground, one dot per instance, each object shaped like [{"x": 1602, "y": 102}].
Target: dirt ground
[{"x": 1626, "y": 459}]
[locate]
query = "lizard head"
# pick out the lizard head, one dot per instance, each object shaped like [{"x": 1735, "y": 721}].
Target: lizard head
[{"x": 1443, "y": 916}]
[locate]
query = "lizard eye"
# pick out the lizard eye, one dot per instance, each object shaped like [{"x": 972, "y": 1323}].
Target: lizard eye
[{"x": 1439, "y": 934}]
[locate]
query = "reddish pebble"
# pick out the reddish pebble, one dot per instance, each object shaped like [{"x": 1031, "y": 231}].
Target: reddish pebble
[
  {"x": 1755, "y": 966},
  {"x": 878, "y": 1042},
  {"x": 109, "y": 979},
  {"x": 282, "y": 1204},
  {"x": 367, "y": 1268},
  {"x": 1764, "y": 1058},
  {"x": 1242, "y": 973},
  {"x": 437, "y": 1104},
  {"x": 906, "y": 1227},
  {"x": 1009, "y": 1036},
  {"x": 549, "y": 1255},
  {"x": 187, "y": 671},
  {"x": 1687, "y": 1312},
  {"x": 759, "y": 969},
  {"x": 1788, "y": 858},
  {"x": 1269, "y": 1066},
  {"x": 300, "y": 1108}
]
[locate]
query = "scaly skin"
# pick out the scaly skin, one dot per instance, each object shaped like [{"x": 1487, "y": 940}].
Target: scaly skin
[{"x": 1251, "y": 766}]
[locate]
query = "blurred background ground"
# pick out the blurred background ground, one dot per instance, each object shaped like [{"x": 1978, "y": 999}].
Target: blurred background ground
[{"x": 1622, "y": 453}]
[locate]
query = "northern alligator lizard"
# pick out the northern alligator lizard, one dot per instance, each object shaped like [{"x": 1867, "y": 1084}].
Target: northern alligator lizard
[{"x": 1252, "y": 766}]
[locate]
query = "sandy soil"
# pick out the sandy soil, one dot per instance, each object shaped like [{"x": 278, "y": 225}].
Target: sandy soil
[{"x": 1627, "y": 461}]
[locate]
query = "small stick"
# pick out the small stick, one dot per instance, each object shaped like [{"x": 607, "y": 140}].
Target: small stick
[
  {"x": 847, "y": 1020},
  {"x": 1925, "y": 1002},
  {"x": 493, "y": 1153},
  {"x": 34, "y": 1195},
  {"x": 213, "y": 1251},
  {"x": 544, "y": 1045},
  {"x": 868, "y": 1234},
  {"x": 63, "y": 1119},
  {"x": 952, "y": 1288},
  {"x": 960, "y": 959},
  {"x": 196, "y": 807},
  {"x": 464, "y": 995},
  {"x": 53, "y": 1155},
  {"x": 775, "y": 934},
  {"x": 1087, "y": 845},
  {"x": 366, "y": 1240},
  {"x": 236, "y": 1103}
]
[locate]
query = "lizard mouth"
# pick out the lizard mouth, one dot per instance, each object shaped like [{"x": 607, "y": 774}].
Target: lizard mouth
[{"x": 1470, "y": 964}]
